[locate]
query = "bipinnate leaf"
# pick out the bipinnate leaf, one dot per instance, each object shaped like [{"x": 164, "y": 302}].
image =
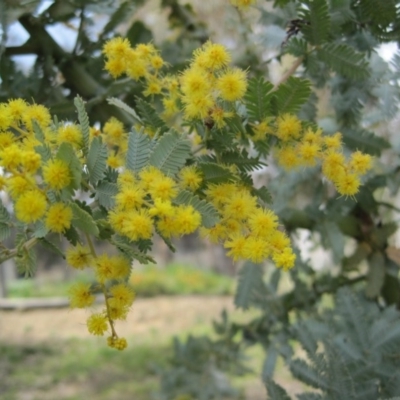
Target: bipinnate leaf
[
  {"x": 67, "y": 154},
  {"x": 290, "y": 96},
  {"x": 150, "y": 116},
  {"x": 139, "y": 147},
  {"x": 128, "y": 249},
  {"x": 301, "y": 370},
  {"x": 170, "y": 153},
  {"x": 5, "y": 231},
  {"x": 120, "y": 104},
  {"x": 344, "y": 60},
  {"x": 97, "y": 160},
  {"x": 215, "y": 173},
  {"x": 4, "y": 214},
  {"x": 316, "y": 21},
  {"x": 83, "y": 121},
  {"x": 83, "y": 220},
  {"x": 275, "y": 391},
  {"x": 257, "y": 98},
  {"x": 376, "y": 275},
  {"x": 365, "y": 141},
  {"x": 209, "y": 215},
  {"x": 250, "y": 279},
  {"x": 105, "y": 192}
]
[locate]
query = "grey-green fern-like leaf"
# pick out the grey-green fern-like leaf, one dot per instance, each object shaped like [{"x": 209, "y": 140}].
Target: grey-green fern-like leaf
[
  {"x": 4, "y": 214},
  {"x": 209, "y": 215},
  {"x": 301, "y": 370},
  {"x": 83, "y": 220},
  {"x": 215, "y": 173},
  {"x": 275, "y": 391},
  {"x": 250, "y": 279},
  {"x": 316, "y": 21},
  {"x": 120, "y": 104},
  {"x": 67, "y": 154},
  {"x": 257, "y": 98},
  {"x": 170, "y": 153},
  {"x": 105, "y": 192},
  {"x": 39, "y": 134},
  {"x": 128, "y": 249},
  {"x": 5, "y": 231},
  {"x": 83, "y": 121},
  {"x": 344, "y": 60},
  {"x": 139, "y": 148},
  {"x": 291, "y": 95},
  {"x": 150, "y": 116},
  {"x": 365, "y": 141},
  {"x": 97, "y": 160}
]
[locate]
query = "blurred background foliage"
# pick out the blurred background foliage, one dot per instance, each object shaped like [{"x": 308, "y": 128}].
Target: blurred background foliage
[{"x": 348, "y": 49}]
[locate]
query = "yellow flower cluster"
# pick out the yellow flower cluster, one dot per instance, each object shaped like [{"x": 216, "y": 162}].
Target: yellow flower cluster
[
  {"x": 246, "y": 229},
  {"x": 111, "y": 274},
  {"x": 144, "y": 203},
  {"x": 300, "y": 147},
  {"x": 243, "y": 4}
]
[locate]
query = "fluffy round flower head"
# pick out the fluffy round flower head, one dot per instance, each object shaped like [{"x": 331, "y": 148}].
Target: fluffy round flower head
[
  {"x": 117, "y": 343},
  {"x": 221, "y": 193},
  {"x": 190, "y": 177},
  {"x": 30, "y": 161},
  {"x": 163, "y": 188},
  {"x": 198, "y": 107},
  {"x": 70, "y": 133},
  {"x": 117, "y": 48},
  {"x": 30, "y": 206},
  {"x": 153, "y": 87},
  {"x": 213, "y": 56},
  {"x": 138, "y": 225},
  {"x": 333, "y": 142},
  {"x": 333, "y": 165},
  {"x": 263, "y": 223},
  {"x": 122, "y": 267},
  {"x": 240, "y": 206},
  {"x": 80, "y": 295},
  {"x": 79, "y": 257},
  {"x": 278, "y": 241},
  {"x": 288, "y": 127},
  {"x": 256, "y": 249},
  {"x": 237, "y": 244},
  {"x": 287, "y": 157},
  {"x": 123, "y": 294},
  {"x": 195, "y": 82},
  {"x": 59, "y": 217},
  {"x": 167, "y": 226},
  {"x": 347, "y": 184},
  {"x": 38, "y": 113},
  {"x": 148, "y": 176},
  {"x": 6, "y": 139},
  {"x": 156, "y": 62},
  {"x": 116, "y": 220},
  {"x": 115, "y": 161},
  {"x": 360, "y": 163},
  {"x": 214, "y": 234},
  {"x": 261, "y": 131},
  {"x": 115, "y": 67},
  {"x": 308, "y": 153},
  {"x": 126, "y": 178},
  {"x": 313, "y": 137},
  {"x": 170, "y": 107},
  {"x": 11, "y": 157},
  {"x": 146, "y": 50},
  {"x": 162, "y": 208},
  {"x": 108, "y": 268},
  {"x": 113, "y": 130},
  {"x": 285, "y": 259},
  {"x": 187, "y": 219},
  {"x": 56, "y": 174},
  {"x": 129, "y": 198},
  {"x": 97, "y": 324},
  {"x": 6, "y": 118},
  {"x": 136, "y": 69},
  {"x": 232, "y": 84},
  {"x": 3, "y": 182},
  {"x": 18, "y": 184},
  {"x": 116, "y": 310},
  {"x": 17, "y": 108}
]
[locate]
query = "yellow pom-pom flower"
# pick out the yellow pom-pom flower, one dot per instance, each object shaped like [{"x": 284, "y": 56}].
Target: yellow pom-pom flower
[
  {"x": 138, "y": 225},
  {"x": 190, "y": 178},
  {"x": 347, "y": 184},
  {"x": 288, "y": 127},
  {"x": 97, "y": 324},
  {"x": 57, "y": 174},
  {"x": 79, "y": 257},
  {"x": 232, "y": 84},
  {"x": 360, "y": 163},
  {"x": 123, "y": 294},
  {"x": 59, "y": 217},
  {"x": 80, "y": 295},
  {"x": 31, "y": 206}
]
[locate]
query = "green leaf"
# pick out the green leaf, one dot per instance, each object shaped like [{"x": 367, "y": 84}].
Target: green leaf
[
  {"x": 276, "y": 392},
  {"x": 83, "y": 220},
  {"x": 290, "y": 96},
  {"x": 105, "y": 192},
  {"x": 128, "y": 249},
  {"x": 332, "y": 238},
  {"x": 296, "y": 47},
  {"x": 39, "y": 134},
  {"x": 139, "y": 148},
  {"x": 250, "y": 279},
  {"x": 83, "y": 121},
  {"x": 67, "y": 154},
  {"x": 44, "y": 152},
  {"x": 150, "y": 116},
  {"x": 4, "y": 215},
  {"x": 257, "y": 98},
  {"x": 242, "y": 160},
  {"x": 97, "y": 160},
  {"x": 72, "y": 236},
  {"x": 365, "y": 141},
  {"x": 51, "y": 246},
  {"x": 5, "y": 231},
  {"x": 120, "y": 104},
  {"x": 40, "y": 230},
  {"x": 209, "y": 215},
  {"x": 317, "y": 21},
  {"x": 344, "y": 60},
  {"x": 263, "y": 194},
  {"x": 215, "y": 173},
  {"x": 170, "y": 153},
  {"x": 302, "y": 371},
  {"x": 270, "y": 363},
  {"x": 376, "y": 275}
]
